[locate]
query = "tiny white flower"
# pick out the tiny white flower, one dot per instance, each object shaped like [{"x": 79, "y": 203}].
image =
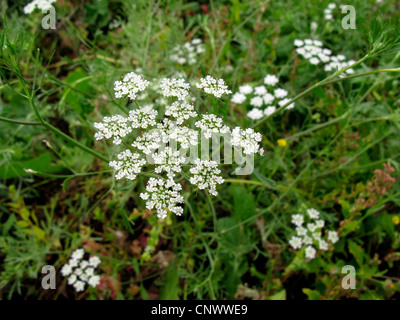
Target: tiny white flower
[
  {"x": 238, "y": 98},
  {"x": 257, "y": 101},
  {"x": 298, "y": 220},
  {"x": 79, "y": 286},
  {"x": 313, "y": 213},
  {"x": 94, "y": 281},
  {"x": 271, "y": 80},
  {"x": 78, "y": 254},
  {"x": 269, "y": 110},
  {"x": 333, "y": 236},
  {"x": 94, "y": 261},
  {"x": 255, "y": 114},
  {"x": 296, "y": 243},
  {"x": 216, "y": 87},
  {"x": 66, "y": 270},
  {"x": 310, "y": 252},
  {"x": 245, "y": 89}
]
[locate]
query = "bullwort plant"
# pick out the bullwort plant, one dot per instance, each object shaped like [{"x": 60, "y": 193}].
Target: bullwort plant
[{"x": 169, "y": 141}]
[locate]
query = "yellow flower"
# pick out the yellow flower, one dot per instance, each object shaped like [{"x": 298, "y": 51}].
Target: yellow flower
[
  {"x": 396, "y": 220},
  {"x": 282, "y": 143}
]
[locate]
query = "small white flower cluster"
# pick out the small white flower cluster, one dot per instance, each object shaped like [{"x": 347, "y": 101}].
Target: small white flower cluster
[
  {"x": 128, "y": 166},
  {"x": 181, "y": 111},
  {"x": 163, "y": 195},
  {"x": 143, "y": 117},
  {"x": 81, "y": 272},
  {"x": 210, "y": 124},
  {"x": 164, "y": 144},
  {"x": 328, "y": 11},
  {"x": 260, "y": 96},
  {"x": 216, "y": 87},
  {"x": 313, "y": 51},
  {"x": 39, "y": 4},
  {"x": 248, "y": 139},
  {"x": 206, "y": 175},
  {"x": 188, "y": 52},
  {"x": 115, "y": 126},
  {"x": 310, "y": 234},
  {"x": 131, "y": 84},
  {"x": 177, "y": 88}
]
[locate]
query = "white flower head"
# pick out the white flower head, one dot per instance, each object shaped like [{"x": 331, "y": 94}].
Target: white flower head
[
  {"x": 333, "y": 236},
  {"x": 211, "y": 124},
  {"x": 66, "y": 270},
  {"x": 115, "y": 126},
  {"x": 310, "y": 252},
  {"x": 128, "y": 165},
  {"x": 206, "y": 175},
  {"x": 78, "y": 254},
  {"x": 216, "y": 87},
  {"x": 246, "y": 89},
  {"x": 94, "y": 261},
  {"x": 171, "y": 87},
  {"x": 269, "y": 110},
  {"x": 163, "y": 195},
  {"x": 143, "y": 117},
  {"x": 313, "y": 213},
  {"x": 271, "y": 80},
  {"x": 296, "y": 242},
  {"x": 238, "y": 98},
  {"x": 298, "y": 219},
  {"x": 255, "y": 114},
  {"x": 181, "y": 111},
  {"x": 248, "y": 139},
  {"x": 131, "y": 84},
  {"x": 94, "y": 281},
  {"x": 257, "y": 101}
]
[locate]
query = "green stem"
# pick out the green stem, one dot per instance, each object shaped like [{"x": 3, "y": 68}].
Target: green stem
[{"x": 27, "y": 123}]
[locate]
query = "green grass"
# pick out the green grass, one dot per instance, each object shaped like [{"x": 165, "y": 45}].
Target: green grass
[{"x": 56, "y": 83}]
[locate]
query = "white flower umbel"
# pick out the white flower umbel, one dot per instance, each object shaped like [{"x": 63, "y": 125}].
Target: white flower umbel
[
  {"x": 311, "y": 235},
  {"x": 143, "y": 117},
  {"x": 310, "y": 252},
  {"x": 148, "y": 142},
  {"x": 216, "y": 87},
  {"x": 206, "y": 175},
  {"x": 81, "y": 272},
  {"x": 210, "y": 124},
  {"x": 269, "y": 110},
  {"x": 131, "y": 84},
  {"x": 246, "y": 89},
  {"x": 296, "y": 242},
  {"x": 187, "y": 53},
  {"x": 39, "y": 4},
  {"x": 271, "y": 80},
  {"x": 238, "y": 98},
  {"x": 260, "y": 96},
  {"x": 163, "y": 195},
  {"x": 248, "y": 139},
  {"x": 128, "y": 165},
  {"x": 115, "y": 126},
  {"x": 181, "y": 111},
  {"x": 169, "y": 161},
  {"x": 171, "y": 87},
  {"x": 163, "y": 145},
  {"x": 185, "y": 136},
  {"x": 313, "y": 51},
  {"x": 255, "y": 114},
  {"x": 285, "y": 101}
]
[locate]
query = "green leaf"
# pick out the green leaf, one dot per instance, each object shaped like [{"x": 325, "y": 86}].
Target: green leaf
[
  {"x": 268, "y": 182},
  {"x": 357, "y": 252}
]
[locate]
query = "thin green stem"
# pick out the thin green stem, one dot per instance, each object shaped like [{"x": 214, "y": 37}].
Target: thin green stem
[{"x": 27, "y": 123}]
